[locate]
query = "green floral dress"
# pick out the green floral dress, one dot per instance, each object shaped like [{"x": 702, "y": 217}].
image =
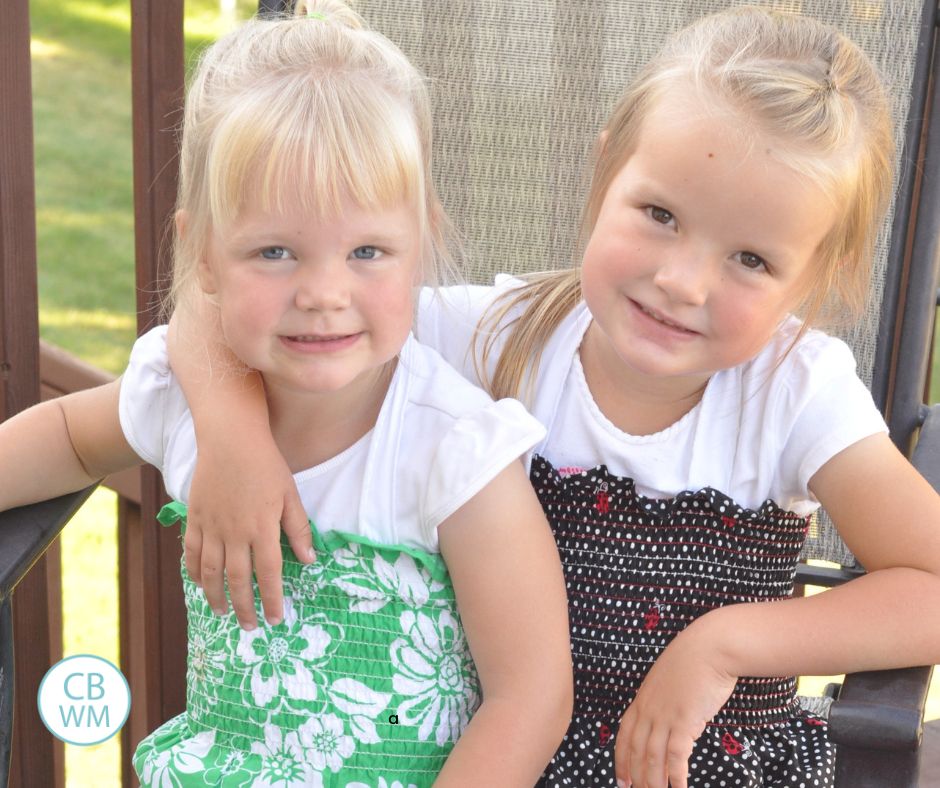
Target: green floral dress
[{"x": 366, "y": 683}]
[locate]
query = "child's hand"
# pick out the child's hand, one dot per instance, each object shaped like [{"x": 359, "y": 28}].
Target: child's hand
[
  {"x": 231, "y": 519},
  {"x": 684, "y": 689}
]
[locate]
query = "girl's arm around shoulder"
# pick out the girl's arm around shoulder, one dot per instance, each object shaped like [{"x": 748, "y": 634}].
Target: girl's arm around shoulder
[
  {"x": 229, "y": 524},
  {"x": 511, "y": 595},
  {"x": 62, "y": 445}
]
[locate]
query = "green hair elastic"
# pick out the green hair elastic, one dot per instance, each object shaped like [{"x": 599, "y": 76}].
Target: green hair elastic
[{"x": 316, "y": 15}]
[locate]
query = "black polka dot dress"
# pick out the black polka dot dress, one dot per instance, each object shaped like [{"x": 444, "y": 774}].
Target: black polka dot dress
[{"x": 638, "y": 571}]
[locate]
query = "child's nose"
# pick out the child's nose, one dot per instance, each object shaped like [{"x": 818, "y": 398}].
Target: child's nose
[
  {"x": 322, "y": 287},
  {"x": 685, "y": 277}
]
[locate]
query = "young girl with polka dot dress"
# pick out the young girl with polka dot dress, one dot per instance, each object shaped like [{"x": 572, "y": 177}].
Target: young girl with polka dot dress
[{"x": 696, "y": 415}]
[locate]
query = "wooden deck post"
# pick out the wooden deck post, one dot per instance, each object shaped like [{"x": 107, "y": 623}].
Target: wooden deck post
[
  {"x": 37, "y": 757},
  {"x": 153, "y": 626}
]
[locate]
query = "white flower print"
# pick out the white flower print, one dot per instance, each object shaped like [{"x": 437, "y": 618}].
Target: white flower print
[
  {"x": 232, "y": 764},
  {"x": 186, "y": 758},
  {"x": 383, "y": 783},
  {"x": 326, "y": 745},
  {"x": 347, "y": 556},
  {"x": 371, "y": 589},
  {"x": 206, "y": 665},
  {"x": 282, "y": 762},
  {"x": 362, "y": 704},
  {"x": 279, "y": 657},
  {"x": 307, "y": 584},
  {"x": 432, "y": 665}
]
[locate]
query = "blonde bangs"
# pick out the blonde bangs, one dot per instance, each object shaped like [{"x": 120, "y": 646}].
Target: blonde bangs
[{"x": 315, "y": 143}]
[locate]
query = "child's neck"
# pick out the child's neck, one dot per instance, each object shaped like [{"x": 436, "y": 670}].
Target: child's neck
[
  {"x": 635, "y": 403},
  {"x": 311, "y": 428}
]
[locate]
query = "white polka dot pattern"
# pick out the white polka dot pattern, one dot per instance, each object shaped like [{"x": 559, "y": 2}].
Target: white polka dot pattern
[{"x": 638, "y": 571}]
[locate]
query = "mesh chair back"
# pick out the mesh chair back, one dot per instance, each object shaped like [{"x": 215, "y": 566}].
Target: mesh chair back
[{"x": 521, "y": 90}]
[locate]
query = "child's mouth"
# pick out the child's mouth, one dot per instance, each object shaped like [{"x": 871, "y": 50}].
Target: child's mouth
[
  {"x": 662, "y": 319},
  {"x": 319, "y": 343}
]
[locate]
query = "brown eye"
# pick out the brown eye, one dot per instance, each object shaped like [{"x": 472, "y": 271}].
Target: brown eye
[
  {"x": 660, "y": 215},
  {"x": 752, "y": 261}
]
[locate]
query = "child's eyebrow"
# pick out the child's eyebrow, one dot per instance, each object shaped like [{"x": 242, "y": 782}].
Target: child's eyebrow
[
  {"x": 647, "y": 188},
  {"x": 383, "y": 239}
]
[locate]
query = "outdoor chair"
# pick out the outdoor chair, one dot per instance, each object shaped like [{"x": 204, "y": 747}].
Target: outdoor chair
[{"x": 520, "y": 90}]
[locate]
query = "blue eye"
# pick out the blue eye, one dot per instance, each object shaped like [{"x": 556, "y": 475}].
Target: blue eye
[
  {"x": 752, "y": 261},
  {"x": 366, "y": 253},
  {"x": 660, "y": 215},
  {"x": 275, "y": 253}
]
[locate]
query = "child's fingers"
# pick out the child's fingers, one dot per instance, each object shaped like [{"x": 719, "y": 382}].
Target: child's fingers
[
  {"x": 268, "y": 567},
  {"x": 212, "y": 573},
  {"x": 677, "y": 760},
  {"x": 654, "y": 758},
  {"x": 238, "y": 573},
  {"x": 297, "y": 527},
  {"x": 629, "y": 749},
  {"x": 192, "y": 553}
]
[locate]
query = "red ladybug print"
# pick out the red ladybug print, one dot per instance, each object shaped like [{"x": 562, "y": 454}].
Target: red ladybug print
[
  {"x": 603, "y": 503},
  {"x": 604, "y": 736},
  {"x": 728, "y": 522},
  {"x": 732, "y": 745},
  {"x": 815, "y": 721},
  {"x": 651, "y": 617}
]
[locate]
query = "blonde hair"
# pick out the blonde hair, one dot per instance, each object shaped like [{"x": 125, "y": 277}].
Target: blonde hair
[
  {"x": 315, "y": 108},
  {"x": 794, "y": 79}
]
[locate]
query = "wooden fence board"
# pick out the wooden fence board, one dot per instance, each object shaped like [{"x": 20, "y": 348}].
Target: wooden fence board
[
  {"x": 153, "y": 625},
  {"x": 37, "y": 757}
]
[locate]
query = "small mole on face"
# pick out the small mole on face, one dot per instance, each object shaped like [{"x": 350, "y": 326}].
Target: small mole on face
[{"x": 711, "y": 155}]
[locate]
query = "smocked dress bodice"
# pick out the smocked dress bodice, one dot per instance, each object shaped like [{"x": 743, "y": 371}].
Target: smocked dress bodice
[{"x": 637, "y": 572}]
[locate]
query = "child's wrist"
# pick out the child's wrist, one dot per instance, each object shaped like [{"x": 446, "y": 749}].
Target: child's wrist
[{"x": 718, "y": 635}]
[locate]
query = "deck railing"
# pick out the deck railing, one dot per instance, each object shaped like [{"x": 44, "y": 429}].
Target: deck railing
[{"x": 152, "y": 623}]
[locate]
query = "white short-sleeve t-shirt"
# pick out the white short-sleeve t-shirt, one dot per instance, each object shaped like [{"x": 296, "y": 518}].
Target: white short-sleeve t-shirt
[
  {"x": 760, "y": 431},
  {"x": 437, "y": 442}
]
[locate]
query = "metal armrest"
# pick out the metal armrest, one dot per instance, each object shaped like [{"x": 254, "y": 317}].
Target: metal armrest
[
  {"x": 926, "y": 457},
  {"x": 881, "y": 710},
  {"x": 877, "y": 725},
  {"x": 27, "y": 531}
]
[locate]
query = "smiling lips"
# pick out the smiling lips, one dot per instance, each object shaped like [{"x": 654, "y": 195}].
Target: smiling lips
[
  {"x": 660, "y": 318},
  {"x": 319, "y": 343}
]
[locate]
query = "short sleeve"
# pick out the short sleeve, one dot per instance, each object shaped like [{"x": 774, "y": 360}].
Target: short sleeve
[
  {"x": 448, "y": 317},
  {"x": 475, "y": 450},
  {"x": 829, "y": 410},
  {"x": 145, "y": 388}
]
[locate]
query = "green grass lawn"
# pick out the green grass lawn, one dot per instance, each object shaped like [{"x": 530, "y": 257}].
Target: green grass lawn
[{"x": 82, "y": 111}]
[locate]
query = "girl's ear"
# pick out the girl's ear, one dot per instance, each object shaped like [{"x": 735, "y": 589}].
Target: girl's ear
[
  {"x": 204, "y": 272},
  {"x": 181, "y": 218}
]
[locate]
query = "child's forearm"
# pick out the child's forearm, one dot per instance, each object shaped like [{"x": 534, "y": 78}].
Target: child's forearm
[
  {"x": 508, "y": 742},
  {"x": 887, "y": 619},
  {"x": 217, "y": 385}
]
